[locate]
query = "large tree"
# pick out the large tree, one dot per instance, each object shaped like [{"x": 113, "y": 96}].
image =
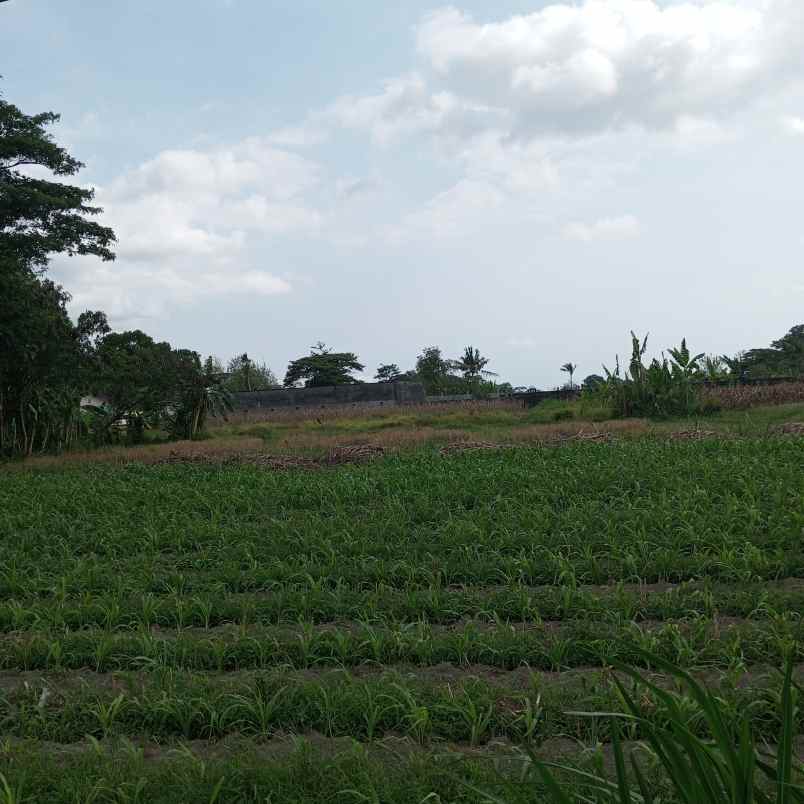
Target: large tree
[
  {"x": 42, "y": 354},
  {"x": 434, "y": 370},
  {"x": 784, "y": 357},
  {"x": 244, "y": 374},
  {"x": 40, "y": 217},
  {"x": 323, "y": 367},
  {"x": 473, "y": 366},
  {"x": 388, "y": 372},
  {"x": 136, "y": 376}
]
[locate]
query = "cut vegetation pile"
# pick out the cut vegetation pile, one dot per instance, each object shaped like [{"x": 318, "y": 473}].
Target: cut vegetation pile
[{"x": 404, "y": 630}]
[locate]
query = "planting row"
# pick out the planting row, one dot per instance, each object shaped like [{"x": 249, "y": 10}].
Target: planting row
[
  {"x": 391, "y": 606},
  {"x": 650, "y": 562},
  {"x": 549, "y": 646},
  {"x": 635, "y": 511},
  {"x": 170, "y": 705},
  {"x": 332, "y": 772}
]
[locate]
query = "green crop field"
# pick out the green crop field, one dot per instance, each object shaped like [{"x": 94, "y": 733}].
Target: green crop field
[{"x": 404, "y": 630}]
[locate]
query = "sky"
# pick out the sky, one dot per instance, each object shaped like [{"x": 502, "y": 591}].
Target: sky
[{"x": 532, "y": 178}]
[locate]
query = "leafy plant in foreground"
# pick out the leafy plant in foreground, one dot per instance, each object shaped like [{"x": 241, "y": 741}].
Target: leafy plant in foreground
[{"x": 725, "y": 767}]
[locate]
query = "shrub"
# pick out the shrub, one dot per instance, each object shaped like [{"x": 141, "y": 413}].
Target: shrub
[{"x": 662, "y": 388}]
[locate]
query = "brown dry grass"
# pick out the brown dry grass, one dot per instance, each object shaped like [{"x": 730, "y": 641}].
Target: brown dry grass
[
  {"x": 362, "y": 411},
  {"x": 308, "y": 441},
  {"x": 145, "y": 453},
  {"x": 748, "y": 396},
  {"x": 304, "y": 443}
]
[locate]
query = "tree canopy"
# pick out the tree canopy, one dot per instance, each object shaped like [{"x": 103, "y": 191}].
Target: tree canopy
[
  {"x": 323, "y": 367},
  {"x": 42, "y": 353},
  {"x": 388, "y": 372},
  {"x": 785, "y": 356},
  {"x": 244, "y": 374},
  {"x": 473, "y": 365},
  {"x": 39, "y": 217}
]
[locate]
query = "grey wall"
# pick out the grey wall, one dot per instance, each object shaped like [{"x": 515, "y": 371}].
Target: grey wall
[{"x": 388, "y": 393}]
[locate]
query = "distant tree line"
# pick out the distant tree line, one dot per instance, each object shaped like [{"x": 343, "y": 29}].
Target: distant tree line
[{"x": 48, "y": 362}]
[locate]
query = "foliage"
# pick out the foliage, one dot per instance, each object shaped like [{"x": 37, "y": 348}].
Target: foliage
[
  {"x": 43, "y": 356},
  {"x": 40, "y": 217},
  {"x": 200, "y": 392},
  {"x": 784, "y": 357},
  {"x": 136, "y": 376},
  {"x": 715, "y": 367},
  {"x": 473, "y": 366},
  {"x": 569, "y": 368},
  {"x": 592, "y": 382},
  {"x": 659, "y": 389},
  {"x": 323, "y": 367},
  {"x": 43, "y": 361},
  {"x": 434, "y": 370},
  {"x": 388, "y": 372},
  {"x": 146, "y": 384},
  {"x": 213, "y": 615},
  {"x": 724, "y": 766},
  {"x": 442, "y": 376},
  {"x": 246, "y": 375}
]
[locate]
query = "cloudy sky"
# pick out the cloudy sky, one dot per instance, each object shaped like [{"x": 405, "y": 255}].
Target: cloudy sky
[{"x": 533, "y": 178}]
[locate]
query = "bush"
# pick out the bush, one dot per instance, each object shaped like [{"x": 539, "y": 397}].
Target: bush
[
  {"x": 660, "y": 389},
  {"x": 563, "y": 415},
  {"x": 710, "y": 406}
]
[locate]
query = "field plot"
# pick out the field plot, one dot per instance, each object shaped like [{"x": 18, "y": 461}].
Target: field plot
[{"x": 400, "y": 630}]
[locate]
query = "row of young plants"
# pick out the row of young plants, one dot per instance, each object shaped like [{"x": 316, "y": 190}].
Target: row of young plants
[
  {"x": 351, "y": 774},
  {"x": 626, "y": 512},
  {"x": 733, "y": 560},
  {"x": 544, "y": 647},
  {"x": 697, "y": 746},
  {"x": 168, "y": 706},
  {"x": 389, "y": 606}
]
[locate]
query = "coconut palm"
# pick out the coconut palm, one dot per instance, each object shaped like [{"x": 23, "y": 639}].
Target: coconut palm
[
  {"x": 201, "y": 393},
  {"x": 569, "y": 368},
  {"x": 473, "y": 365}
]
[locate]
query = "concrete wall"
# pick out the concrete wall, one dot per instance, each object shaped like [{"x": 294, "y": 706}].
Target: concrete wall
[
  {"x": 385, "y": 393},
  {"x": 532, "y": 398}
]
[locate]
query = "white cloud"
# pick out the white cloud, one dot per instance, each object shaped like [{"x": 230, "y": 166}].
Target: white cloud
[
  {"x": 619, "y": 228},
  {"x": 186, "y": 221},
  {"x": 252, "y": 163},
  {"x": 407, "y": 106},
  {"x": 793, "y": 124},
  {"x": 522, "y": 101},
  {"x": 301, "y": 136},
  {"x": 348, "y": 188},
  {"x": 520, "y": 167},
  {"x": 610, "y": 64},
  {"x": 695, "y": 131},
  {"x": 453, "y": 213}
]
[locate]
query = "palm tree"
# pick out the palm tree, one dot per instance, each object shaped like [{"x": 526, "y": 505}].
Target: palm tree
[
  {"x": 569, "y": 368},
  {"x": 473, "y": 365},
  {"x": 201, "y": 393}
]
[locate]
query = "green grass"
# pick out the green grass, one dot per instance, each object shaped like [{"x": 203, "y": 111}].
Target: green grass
[
  {"x": 500, "y": 424},
  {"x": 437, "y": 605}
]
